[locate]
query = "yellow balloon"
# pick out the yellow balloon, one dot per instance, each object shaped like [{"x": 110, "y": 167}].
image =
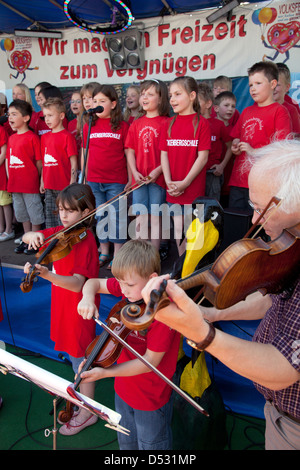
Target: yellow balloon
[
  {"x": 265, "y": 15},
  {"x": 8, "y": 44}
]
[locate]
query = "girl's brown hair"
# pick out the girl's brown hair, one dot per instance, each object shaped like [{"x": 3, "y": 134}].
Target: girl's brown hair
[
  {"x": 77, "y": 197},
  {"x": 190, "y": 85},
  {"x": 116, "y": 116},
  {"x": 162, "y": 90}
]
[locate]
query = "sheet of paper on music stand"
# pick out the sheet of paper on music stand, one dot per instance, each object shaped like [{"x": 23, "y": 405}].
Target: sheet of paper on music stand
[{"x": 56, "y": 386}]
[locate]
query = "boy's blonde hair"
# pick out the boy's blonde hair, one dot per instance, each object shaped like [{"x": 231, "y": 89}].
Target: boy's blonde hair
[
  {"x": 57, "y": 103},
  {"x": 139, "y": 256}
]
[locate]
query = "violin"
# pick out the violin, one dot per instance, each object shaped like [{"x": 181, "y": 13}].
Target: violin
[
  {"x": 244, "y": 267},
  {"x": 105, "y": 349},
  {"x": 61, "y": 243},
  {"x": 60, "y": 246}
]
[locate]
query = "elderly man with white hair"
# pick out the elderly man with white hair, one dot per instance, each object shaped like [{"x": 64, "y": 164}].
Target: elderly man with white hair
[{"x": 272, "y": 359}]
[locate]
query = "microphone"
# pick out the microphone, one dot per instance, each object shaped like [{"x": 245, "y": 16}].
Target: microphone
[{"x": 98, "y": 109}]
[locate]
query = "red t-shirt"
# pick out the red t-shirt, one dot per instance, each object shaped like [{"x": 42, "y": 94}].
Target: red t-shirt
[
  {"x": 219, "y": 137},
  {"x": 257, "y": 125},
  {"x": 70, "y": 332},
  {"x": 3, "y": 177},
  {"x": 290, "y": 100},
  {"x": 143, "y": 137},
  {"x": 295, "y": 117},
  {"x": 38, "y": 125},
  {"x": 23, "y": 151},
  {"x": 106, "y": 160},
  {"x": 183, "y": 145},
  {"x": 57, "y": 148},
  {"x": 147, "y": 391}
]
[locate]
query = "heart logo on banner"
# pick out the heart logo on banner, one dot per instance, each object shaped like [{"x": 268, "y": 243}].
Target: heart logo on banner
[
  {"x": 283, "y": 36},
  {"x": 20, "y": 60}
]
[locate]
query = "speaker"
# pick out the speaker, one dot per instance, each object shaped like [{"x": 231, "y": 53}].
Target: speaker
[
  {"x": 126, "y": 50},
  {"x": 236, "y": 225}
]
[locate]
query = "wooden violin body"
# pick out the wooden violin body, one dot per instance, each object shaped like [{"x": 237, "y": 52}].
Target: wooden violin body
[
  {"x": 105, "y": 349},
  {"x": 244, "y": 267},
  {"x": 60, "y": 246}
]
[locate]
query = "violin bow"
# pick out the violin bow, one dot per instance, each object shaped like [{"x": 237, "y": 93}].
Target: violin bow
[
  {"x": 277, "y": 203},
  {"x": 156, "y": 371},
  {"x": 101, "y": 207}
]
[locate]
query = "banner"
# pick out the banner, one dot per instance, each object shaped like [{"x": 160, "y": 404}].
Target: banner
[{"x": 184, "y": 44}]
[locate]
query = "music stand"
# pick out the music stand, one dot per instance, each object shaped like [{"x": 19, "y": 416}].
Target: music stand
[{"x": 58, "y": 387}]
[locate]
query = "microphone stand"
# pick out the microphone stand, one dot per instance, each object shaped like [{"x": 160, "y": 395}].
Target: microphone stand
[{"x": 82, "y": 176}]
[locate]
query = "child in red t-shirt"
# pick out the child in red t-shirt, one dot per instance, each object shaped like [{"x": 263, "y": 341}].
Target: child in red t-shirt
[
  {"x": 6, "y": 212},
  {"x": 257, "y": 126},
  {"x": 74, "y": 125},
  {"x": 107, "y": 168},
  {"x": 133, "y": 108},
  {"x": 222, "y": 84},
  {"x": 143, "y": 157},
  {"x": 142, "y": 397},
  {"x": 23, "y": 166},
  {"x": 225, "y": 108},
  {"x": 220, "y": 137},
  {"x": 185, "y": 144},
  {"x": 70, "y": 333},
  {"x": 59, "y": 152},
  {"x": 280, "y": 92}
]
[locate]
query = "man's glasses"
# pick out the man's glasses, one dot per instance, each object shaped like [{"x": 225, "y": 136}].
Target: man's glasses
[{"x": 258, "y": 211}]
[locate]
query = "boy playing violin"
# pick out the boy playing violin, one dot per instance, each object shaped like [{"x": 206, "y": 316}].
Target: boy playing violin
[
  {"x": 69, "y": 331},
  {"x": 141, "y": 396}
]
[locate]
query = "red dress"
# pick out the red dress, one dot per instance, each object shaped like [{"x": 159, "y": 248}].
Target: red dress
[{"x": 70, "y": 332}]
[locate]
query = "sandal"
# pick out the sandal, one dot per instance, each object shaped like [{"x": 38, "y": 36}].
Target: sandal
[{"x": 103, "y": 259}]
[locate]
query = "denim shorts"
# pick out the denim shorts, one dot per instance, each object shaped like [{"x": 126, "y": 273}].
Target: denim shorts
[
  {"x": 28, "y": 208},
  {"x": 111, "y": 220},
  {"x": 147, "y": 199},
  {"x": 149, "y": 430}
]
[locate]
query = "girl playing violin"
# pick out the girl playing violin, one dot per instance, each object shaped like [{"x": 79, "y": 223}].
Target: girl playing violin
[{"x": 69, "y": 331}]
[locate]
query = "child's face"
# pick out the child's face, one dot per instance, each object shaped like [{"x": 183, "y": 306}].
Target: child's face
[
  {"x": 132, "y": 98},
  {"x": 76, "y": 103},
  {"x": 18, "y": 93},
  {"x": 102, "y": 100},
  {"x": 87, "y": 101},
  {"x": 281, "y": 89},
  {"x": 132, "y": 285},
  {"x": 205, "y": 105},
  {"x": 70, "y": 216},
  {"x": 180, "y": 100},
  {"x": 37, "y": 95},
  {"x": 53, "y": 118},
  {"x": 261, "y": 89},
  {"x": 150, "y": 99},
  {"x": 219, "y": 88},
  {"x": 225, "y": 109},
  {"x": 16, "y": 120}
]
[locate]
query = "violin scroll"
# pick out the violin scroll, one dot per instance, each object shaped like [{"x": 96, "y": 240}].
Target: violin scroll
[{"x": 135, "y": 318}]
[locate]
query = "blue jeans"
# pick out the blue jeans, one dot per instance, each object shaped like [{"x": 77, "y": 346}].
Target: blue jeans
[
  {"x": 112, "y": 221},
  {"x": 149, "y": 430},
  {"x": 151, "y": 196}
]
